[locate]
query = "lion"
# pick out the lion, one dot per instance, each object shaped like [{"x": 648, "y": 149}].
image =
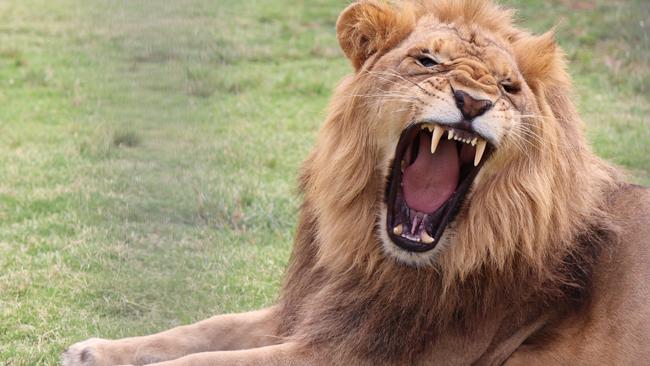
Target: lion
[{"x": 453, "y": 214}]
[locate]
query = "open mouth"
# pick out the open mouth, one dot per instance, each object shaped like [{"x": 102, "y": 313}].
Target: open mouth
[{"x": 433, "y": 169}]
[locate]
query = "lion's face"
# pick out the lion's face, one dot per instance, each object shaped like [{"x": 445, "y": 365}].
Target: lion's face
[
  {"x": 453, "y": 143},
  {"x": 448, "y": 103},
  {"x": 451, "y": 102},
  {"x": 447, "y": 106}
]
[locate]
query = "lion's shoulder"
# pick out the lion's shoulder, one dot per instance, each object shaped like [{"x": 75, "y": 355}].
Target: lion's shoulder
[
  {"x": 626, "y": 270},
  {"x": 613, "y": 324},
  {"x": 630, "y": 205}
]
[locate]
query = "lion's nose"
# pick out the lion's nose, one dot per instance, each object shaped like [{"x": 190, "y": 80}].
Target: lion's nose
[{"x": 470, "y": 107}]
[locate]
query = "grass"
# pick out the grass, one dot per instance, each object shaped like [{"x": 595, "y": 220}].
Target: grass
[{"x": 148, "y": 150}]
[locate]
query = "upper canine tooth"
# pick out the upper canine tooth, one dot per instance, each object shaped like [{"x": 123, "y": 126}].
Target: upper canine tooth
[
  {"x": 480, "y": 149},
  {"x": 425, "y": 237},
  {"x": 450, "y": 135},
  {"x": 435, "y": 138}
]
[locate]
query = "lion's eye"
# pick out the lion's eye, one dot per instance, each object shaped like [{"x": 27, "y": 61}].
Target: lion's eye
[
  {"x": 427, "y": 61},
  {"x": 511, "y": 88}
]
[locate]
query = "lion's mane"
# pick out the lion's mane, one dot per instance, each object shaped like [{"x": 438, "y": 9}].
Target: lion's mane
[{"x": 531, "y": 233}]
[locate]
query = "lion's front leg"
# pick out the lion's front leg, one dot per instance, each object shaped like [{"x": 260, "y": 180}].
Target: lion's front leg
[
  {"x": 286, "y": 354},
  {"x": 222, "y": 332}
]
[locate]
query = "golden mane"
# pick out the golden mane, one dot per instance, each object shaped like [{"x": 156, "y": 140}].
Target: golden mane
[
  {"x": 532, "y": 232},
  {"x": 531, "y": 209}
]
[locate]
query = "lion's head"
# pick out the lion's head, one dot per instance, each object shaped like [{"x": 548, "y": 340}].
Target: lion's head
[{"x": 454, "y": 144}]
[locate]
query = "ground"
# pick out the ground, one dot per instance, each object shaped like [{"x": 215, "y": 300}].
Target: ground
[{"x": 149, "y": 150}]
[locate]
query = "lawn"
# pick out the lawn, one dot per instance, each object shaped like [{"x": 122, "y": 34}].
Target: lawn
[{"x": 149, "y": 150}]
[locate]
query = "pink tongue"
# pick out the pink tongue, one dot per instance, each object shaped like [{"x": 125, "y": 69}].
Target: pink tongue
[{"x": 432, "y": 178}]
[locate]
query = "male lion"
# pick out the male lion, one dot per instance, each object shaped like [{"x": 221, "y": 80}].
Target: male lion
[{"x": 453, "y": 214}]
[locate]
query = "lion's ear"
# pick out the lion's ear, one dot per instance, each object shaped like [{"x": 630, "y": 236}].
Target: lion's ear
[
  {"x": 368, "y": 27},
  {"x": 543, "y": 65},
  {"x": 541, "y": 61}
]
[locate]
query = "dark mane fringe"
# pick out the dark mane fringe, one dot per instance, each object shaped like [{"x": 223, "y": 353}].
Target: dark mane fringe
[{"x": 396, "y": 312}]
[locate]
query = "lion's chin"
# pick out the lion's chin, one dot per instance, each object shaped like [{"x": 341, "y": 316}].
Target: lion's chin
[
  {"x": 433, "y": 169},
  {"x": 412, "y": 258}
]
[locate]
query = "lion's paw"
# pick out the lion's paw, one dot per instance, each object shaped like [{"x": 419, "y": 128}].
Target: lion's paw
[{"x": 86, "y": 353}]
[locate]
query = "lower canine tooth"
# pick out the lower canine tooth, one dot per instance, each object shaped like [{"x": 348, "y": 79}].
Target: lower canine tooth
[
  {"x": 397, "y": 230},
  {"x": 480, "y": 149},
  {"x": 435, "y": 138},
  {"x": 425, "y": 238}
]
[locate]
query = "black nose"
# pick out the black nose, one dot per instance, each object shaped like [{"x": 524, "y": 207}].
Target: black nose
[{"x": 470, "y": 107}]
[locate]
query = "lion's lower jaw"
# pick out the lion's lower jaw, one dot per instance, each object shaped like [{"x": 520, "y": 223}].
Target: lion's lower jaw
[{"x": 414, "y": 259}]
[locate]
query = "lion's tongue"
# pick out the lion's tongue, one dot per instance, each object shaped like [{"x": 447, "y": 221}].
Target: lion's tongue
[{"x": 432, "y": 178}]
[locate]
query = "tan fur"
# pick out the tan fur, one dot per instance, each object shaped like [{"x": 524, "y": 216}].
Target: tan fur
[{"x": 546, "y": 262}]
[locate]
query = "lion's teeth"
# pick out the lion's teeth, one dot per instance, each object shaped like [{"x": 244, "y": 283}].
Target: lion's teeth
[
  {"x": 474, "y": 141},
  {"x": 397, "y": 230},
  {"x": 425, "y": 238},
  {"x": 480, "y": 149},
  {"x": 435, "y": 138},
  {"x": 450, "y": 135}
]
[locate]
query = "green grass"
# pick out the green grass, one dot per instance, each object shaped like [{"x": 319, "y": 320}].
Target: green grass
[{"x": 149, "y": 150}]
